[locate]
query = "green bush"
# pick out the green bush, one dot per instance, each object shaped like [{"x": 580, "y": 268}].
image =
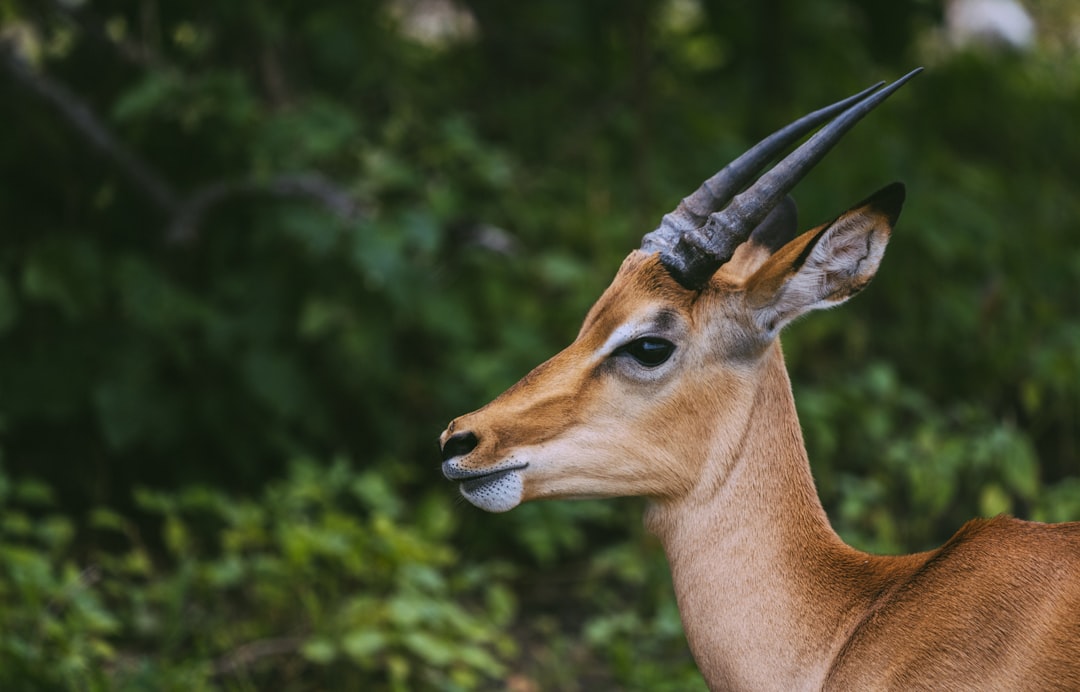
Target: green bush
[{"x": 329, "y": 579}]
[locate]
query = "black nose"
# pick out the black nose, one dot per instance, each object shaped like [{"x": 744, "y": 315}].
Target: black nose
[{"x": 458, "y": 444}]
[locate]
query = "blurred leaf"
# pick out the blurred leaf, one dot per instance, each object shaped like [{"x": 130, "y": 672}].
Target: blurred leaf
[
  {"x": 315, "y": 130},
  {"x": 377, "y": 493},
  {"x": 67, "y": 273},
  {"x": 147, "y": 96},
  {"x": 993, "y": 501},
  {"x": 319, "y": 651},
  {"x": 150, "y": 300},
  {"x": 361, "y": 645},
  {"x": 120, "y": 403},
  {"x": 33, "y": 492},
  {"x": 316, "y": 230}
]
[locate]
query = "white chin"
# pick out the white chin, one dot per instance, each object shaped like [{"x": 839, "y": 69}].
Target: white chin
[{"x": 499, "y": 494}]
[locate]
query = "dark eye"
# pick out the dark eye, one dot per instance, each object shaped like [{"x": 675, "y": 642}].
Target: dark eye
[{"x": 649, "y": 351}]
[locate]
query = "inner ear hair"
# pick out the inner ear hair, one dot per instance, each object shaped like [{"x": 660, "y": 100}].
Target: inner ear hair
[
  {"x": 826, "y": 265},
  {"x": 885, "y": 203}
]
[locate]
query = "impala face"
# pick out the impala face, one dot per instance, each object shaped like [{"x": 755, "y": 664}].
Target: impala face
[{"x": 660, "y": 377}]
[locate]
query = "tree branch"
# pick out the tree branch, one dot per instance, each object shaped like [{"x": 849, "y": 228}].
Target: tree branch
[
  {"x": 86, "y": 123},
  {"x": 185, "y": 213},
  {"x": 245, "y": 655},
  {"x": 188, "y": 217}
]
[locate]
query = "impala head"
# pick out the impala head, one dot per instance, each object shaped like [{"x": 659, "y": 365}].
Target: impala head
[{"x": 663, "y": 373}]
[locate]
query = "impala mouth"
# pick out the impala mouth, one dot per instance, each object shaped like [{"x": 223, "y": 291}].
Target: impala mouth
[
  {"x": 474, "y": 483},
  {"x": 496, "y": 490},
  {"x": 470, "y": 480}
]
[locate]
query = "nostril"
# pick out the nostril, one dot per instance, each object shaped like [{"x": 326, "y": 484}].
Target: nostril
[{"x": 458, "y": 444}]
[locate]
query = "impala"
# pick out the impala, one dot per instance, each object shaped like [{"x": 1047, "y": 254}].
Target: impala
[{"x": 675, "y": 389}]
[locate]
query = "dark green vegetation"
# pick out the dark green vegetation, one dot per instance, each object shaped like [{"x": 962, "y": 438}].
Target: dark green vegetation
[{"x": 254, "y": 256}]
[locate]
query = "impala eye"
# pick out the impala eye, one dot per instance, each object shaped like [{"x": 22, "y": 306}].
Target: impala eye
[{"x": 649, "y": 351}]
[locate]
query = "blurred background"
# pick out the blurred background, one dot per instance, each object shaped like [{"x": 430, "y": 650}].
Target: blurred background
[{"x": 255, "y": 255}]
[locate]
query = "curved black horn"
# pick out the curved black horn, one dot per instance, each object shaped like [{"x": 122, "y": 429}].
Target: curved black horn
[
  {"x": 718, "y": 190},
  {"x": 692, "y": 251}
]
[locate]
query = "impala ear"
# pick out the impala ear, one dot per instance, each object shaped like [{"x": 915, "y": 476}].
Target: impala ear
[{"x": 825, "y": 266}]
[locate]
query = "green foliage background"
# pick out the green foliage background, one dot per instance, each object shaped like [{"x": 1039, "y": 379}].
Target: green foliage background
[{"x": 231, "y": 331}]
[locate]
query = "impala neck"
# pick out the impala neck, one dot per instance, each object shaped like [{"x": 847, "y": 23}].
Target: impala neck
[{"x": 768, "y": 592}]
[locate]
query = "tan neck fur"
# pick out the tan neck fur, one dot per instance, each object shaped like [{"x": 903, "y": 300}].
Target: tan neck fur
[{"x": 756, "y": 566}]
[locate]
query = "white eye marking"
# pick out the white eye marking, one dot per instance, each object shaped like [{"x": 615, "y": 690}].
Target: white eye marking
[
  {"x": 658, "y": 326},
  {"x": 622, "y": 335}
]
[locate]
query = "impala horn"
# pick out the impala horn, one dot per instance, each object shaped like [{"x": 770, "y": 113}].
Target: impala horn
[{"x": 703, "y": 231}]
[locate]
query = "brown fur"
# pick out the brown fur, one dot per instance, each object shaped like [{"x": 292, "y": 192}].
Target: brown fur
[{"x": 770, "y": 597}]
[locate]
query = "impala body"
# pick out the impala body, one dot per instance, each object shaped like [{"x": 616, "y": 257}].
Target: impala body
[{"x": 675, "y": 389}]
